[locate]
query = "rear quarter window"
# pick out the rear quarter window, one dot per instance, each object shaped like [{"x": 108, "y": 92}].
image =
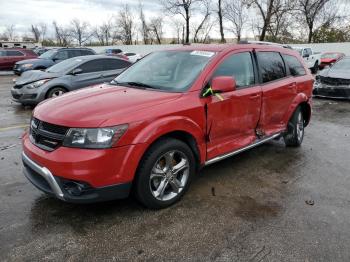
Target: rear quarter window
[
  {"x": 271, "y": 66},
  {"x": 294, "y": 65},
  {"x": 113, "y": 64}
]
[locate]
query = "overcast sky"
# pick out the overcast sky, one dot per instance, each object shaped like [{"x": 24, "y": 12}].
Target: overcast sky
[{"x": 23, "y": 13}]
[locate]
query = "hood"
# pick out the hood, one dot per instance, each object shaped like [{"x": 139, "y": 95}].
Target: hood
[
  {"x": 328, "y": 60},
  {"x": 36, "y": 61},
  {"x": 96, "y": 105},
  {"x": 344, "y": 74},
  {"x": 35, "y": 75}
]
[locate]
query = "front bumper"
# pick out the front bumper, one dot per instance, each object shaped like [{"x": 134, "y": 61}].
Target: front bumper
[
  {"x": 27, "y": 96},
  {"x": 70, "y": 190},
  {"x": 337, "y": 92}
]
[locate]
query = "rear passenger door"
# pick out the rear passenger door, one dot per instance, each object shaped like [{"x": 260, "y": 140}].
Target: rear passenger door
[
  {"x": 278, "y": 90},
  {"x": 231, "y": 123},
  {"x": 91, "y": 74}
]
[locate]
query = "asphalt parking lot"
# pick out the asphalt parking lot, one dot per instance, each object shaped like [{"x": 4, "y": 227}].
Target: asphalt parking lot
[{"x": 271, "y": 203}]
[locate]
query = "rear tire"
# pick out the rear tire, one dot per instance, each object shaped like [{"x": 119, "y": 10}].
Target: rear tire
[
  {"x": 56, "y": 91},
  {"x": 164, "y": 174},
  {"x": 295, "y": 129}
]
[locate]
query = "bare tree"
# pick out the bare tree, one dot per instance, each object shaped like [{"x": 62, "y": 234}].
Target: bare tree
[
  {"x": 125, "y": 23},
  {"x": 316, "y": 14},
  {"x": 63, "y": 36},
  {"x": 177, "y": 25},
  {"x": 183, "y": 8},
  {"x": 220, "y": 15},
  {"x": 36, "y": 33},
  {"x": 80, "y": 31},
  {"x": 156, "y": 27},
  {"x": 205, "y": 9},
  {"x": 267, "y": 9},
  {"x": 10, "y": 31},
  {"x": 145, "y": 31},
  {"x": 236, "y": 14},
  {"x": 43, "y": 28},
  {"x": 104, "y": 32}
]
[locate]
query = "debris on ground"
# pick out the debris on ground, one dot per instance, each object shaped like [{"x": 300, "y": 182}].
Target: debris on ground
[
  {"x": 6, "y": 147},
  {"x": 310, "y": 202}
]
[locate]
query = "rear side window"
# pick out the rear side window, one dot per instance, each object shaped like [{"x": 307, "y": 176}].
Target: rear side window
[
  {"x": 2, "y": 53},
  {"x": 86, "y": 52},
  {"x": 271, "y": 66},
  {"x": 14, "y": 53},
  {"x": 240, "y": 66},
  {"x": 62, "y": 55},
  {"x": 294, "y": 65},
  {"x": 130, "y": 54},
  {"x": 92, "y": 66},
  {"x": 113, "y": 64}
]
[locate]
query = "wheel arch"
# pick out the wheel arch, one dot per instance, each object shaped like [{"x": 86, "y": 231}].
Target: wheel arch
[
  {"x": 55, "y": 86},
  {"x": 303, "y": 101}
]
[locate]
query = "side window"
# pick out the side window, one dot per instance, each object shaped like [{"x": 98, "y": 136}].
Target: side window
[
  {"x": 86, "y": 52},
  {"x": 74, "y": 53},
  {"x": 113, "y": 64},
  {"x": 62, "y": 55},
  {"x": 14, "y": 53},
  {"x": 240, "y": 66},
  {"x": 294, "y": 65},
  {"x": 271, "y": 66},
  {"x": 308, "y": 51},
  {"x": 92, "y": 66},
  {"x": 2, "y": 53}
]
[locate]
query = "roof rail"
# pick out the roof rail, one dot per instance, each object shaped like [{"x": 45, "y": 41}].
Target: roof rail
[{"x": 265, "y": 43}]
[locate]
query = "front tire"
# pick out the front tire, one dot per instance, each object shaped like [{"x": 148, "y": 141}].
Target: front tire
[
  {"x": 165, "y": 173},
  {"x": 56, "y": 91},
  {"x": 295, "y": 129}
]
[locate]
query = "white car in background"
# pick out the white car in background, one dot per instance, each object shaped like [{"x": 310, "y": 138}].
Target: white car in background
[
  {"x": 311, "y": 58},
  {"x": 133, "y": 57}
]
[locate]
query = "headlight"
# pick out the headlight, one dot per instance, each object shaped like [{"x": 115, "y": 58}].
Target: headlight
[
  {"x": 27, "y": 65},
  {"x": 104, "y": 137},
  {"x": 37, "y": 83}
]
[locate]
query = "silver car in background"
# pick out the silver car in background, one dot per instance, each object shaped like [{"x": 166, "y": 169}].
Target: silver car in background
[{"x": 35, "y": 86}]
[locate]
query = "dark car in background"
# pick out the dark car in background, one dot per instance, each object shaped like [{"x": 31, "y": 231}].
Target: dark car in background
[
  {"x": 330, "y": 58},
  {"x": 50, "y": 58},
  {"x": 334, "y": 81},
  {"x": 34, "y": 86},
  {"x": 40, "y": 50},
  {"x": 9, "y": 56}
]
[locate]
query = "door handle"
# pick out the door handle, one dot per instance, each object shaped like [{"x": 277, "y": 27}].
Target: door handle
[
  {"x": 291, "y": 86},
  {"x": 254, "y": 96}
]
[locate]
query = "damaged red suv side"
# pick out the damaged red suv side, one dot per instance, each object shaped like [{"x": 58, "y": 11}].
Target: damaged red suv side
[{"x": 162, "y": 119}]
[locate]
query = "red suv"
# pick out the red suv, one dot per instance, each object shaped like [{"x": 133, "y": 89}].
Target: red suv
[
  {"x": 8, "y": 57},
  {"x": 155, "y": 125}
]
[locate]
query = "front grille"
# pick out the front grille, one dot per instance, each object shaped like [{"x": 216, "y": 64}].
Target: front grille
[
  {"x": 334, "y": 81},
  {"x": 45, "y": 135}
]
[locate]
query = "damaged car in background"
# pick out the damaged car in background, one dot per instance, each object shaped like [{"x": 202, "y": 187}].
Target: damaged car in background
[
  {"x": 334, "y": 81},
  {"x": 35, "y": 86}
]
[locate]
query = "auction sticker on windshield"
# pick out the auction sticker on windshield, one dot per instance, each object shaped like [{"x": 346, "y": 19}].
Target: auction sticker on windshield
[{"x": 203, "y": 53}]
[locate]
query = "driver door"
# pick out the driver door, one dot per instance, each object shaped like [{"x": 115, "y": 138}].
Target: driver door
[
  {"x": 231, "y": 122},
  {"x": 92, "y": 73}
]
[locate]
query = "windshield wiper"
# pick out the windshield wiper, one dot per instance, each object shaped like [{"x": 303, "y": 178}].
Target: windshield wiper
[{"x": 134, "y": 84}]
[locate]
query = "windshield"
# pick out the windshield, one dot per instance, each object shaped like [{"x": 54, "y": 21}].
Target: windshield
[
  {"x": 65, "y": 65},
  {"x": 329, "y": 56},
  {"x": 343, "y": 64},
  {"x": 173, "y": 71},
  {"x": 48, "y": 54}
]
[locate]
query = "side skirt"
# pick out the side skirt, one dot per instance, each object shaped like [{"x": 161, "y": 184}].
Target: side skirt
[{"x": 256, "y": 143}]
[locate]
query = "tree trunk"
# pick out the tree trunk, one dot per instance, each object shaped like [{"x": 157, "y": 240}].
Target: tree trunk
[
  {"x": 221, "y": 23},
  {"x": 310, "y": 34},
  {"x": 187, "y": 27}
]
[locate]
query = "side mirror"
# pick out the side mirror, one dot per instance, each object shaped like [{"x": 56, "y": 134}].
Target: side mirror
[
  {"x": 222, "y": 84},
  {"x": 77, "y": 71},
  {"x": 306, "y": 55}
]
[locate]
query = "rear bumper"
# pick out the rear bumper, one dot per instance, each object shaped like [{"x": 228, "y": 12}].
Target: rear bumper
[{"x": 70, "y": 190}]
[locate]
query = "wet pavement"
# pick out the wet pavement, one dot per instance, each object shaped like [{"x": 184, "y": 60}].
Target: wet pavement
[{"x": 271, "y": 203}]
